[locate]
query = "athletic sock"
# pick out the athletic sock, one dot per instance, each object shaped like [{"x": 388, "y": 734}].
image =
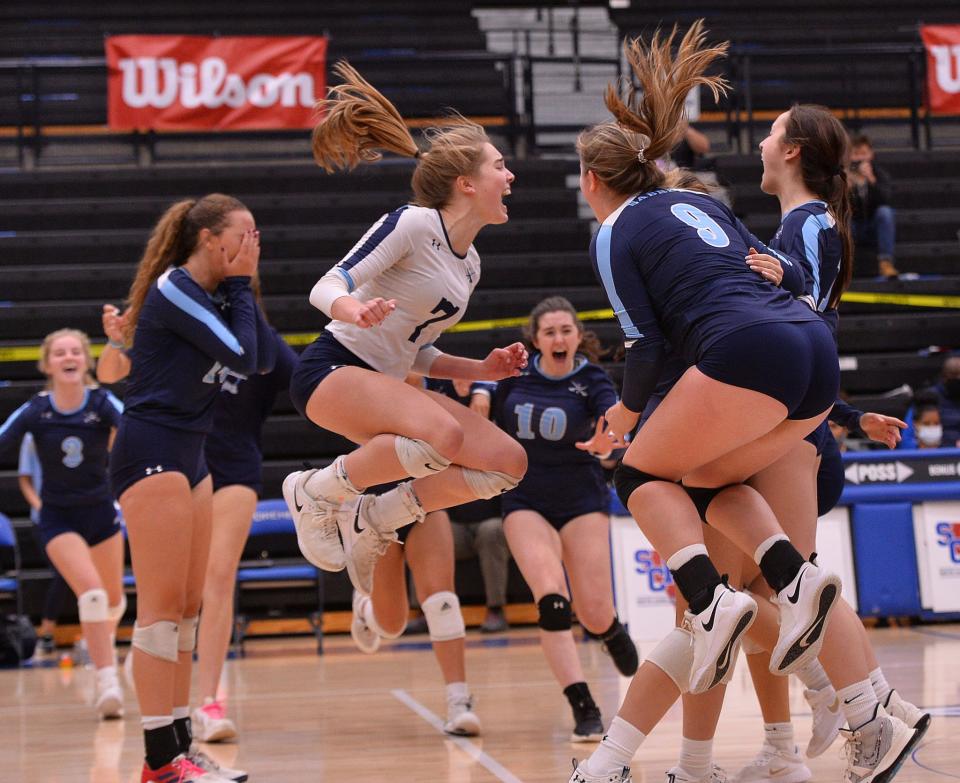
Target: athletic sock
[
  {"x": 814, "y": 676},
  {"x": 159, "y": 740},
  {"x": 331, "y": 482},
  {"x": 880, "y": 685},
  {"x": 394, "y": 509},
  {"x": 779, "y": 736},
  {"x": 617, "y": 749},
  {"x": 696, "y": 757},
  {"x": 859, "y": 703},
  {"x": 183, "y": 727},
  {"x": 695, "y": 576},
  {"x": 779, "y": 561}
]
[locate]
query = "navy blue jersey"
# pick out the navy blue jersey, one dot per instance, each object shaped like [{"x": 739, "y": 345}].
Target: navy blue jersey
[
  {"x": 549, "y": 415},
  {"x": 672, "y": 265},
  {"x": 72, "y": 446},
  {"x": 809, "y": 233},
  {"x": 245, "y": 402},
  {"x": 187, "y": 341}
]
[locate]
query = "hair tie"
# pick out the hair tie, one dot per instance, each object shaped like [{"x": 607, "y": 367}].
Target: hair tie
[
  {"x": 417, "y": 154},
  {"x": 640, "y": 156}
]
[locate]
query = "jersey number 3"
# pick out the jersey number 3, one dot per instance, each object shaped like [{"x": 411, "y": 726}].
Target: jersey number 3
[
  {"x": 707, "y": 228},
  {"x": 445, "y": 308}
]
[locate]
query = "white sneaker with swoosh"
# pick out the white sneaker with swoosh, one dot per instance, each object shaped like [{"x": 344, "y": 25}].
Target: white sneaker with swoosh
[
  {"x": 805, "y": 607},
  {"x": 717, "y": 633},
  {"x": 680, "y": 775},
  {"x": 315, "y": 523},
  {"x": 828, "y": 718},
  {"x": 363, "y": 546},
  {"x": 774, "y": 765}
]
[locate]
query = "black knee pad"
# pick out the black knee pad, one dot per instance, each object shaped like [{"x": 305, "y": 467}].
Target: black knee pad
[
  {"x": 555, "y": 613},
  {"x": 702, "y": 497},
  {"x": 627, "y": 479}
]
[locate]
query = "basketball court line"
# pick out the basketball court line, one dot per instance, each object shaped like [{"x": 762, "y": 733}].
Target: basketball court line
[
  {"x": 494, "y": 767},
  {"x": 920, "y": 764}
]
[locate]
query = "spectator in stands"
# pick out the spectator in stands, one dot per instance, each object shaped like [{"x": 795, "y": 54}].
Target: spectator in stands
[
  {"x": 30, "y": 479},
  {"x": 192, "y": 320},
  {"x": 874, "y": 219},
  {"x": 927, "y": 426},
  {"x": 946, "y": 393},
  {"x": 73, "y": 423},
  {"x": 557, "y": 521},
  {"x": 692, "y": 149}
]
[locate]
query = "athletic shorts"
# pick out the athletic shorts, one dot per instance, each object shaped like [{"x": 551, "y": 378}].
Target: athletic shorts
[
  {"x": 820, "y": 436},
  {"x": 94, "y": 523},
  {"x": 830, "y": 478},
  {"x": 242, "y": 465},
  {"x": 143, "y": 449},
  {"x": 559, "y": 494},
  {"x": 795, "y": 363},
  {"x": 321, "y": 357}
]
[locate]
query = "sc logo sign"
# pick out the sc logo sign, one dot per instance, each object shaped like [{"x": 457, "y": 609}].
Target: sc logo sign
[{"x": 649, "y": 563}]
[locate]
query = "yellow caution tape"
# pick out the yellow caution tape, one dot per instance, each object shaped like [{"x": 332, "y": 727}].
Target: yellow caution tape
[{"x": 31, "y": 353}]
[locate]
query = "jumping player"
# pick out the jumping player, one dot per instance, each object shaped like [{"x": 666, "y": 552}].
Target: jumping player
[
  {"x": 763, "y": 376},
  {"x": 73, "y": 424},
  {"x": 407, "y": 279},
  {"x": 557, "y": 520},
  {"x": 191, "y": 321}
]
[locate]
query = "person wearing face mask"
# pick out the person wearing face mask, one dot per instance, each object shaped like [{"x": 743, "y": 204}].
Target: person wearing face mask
[
  {"x": 947, "y": 393},
  {"x": 927, "y": 426}
]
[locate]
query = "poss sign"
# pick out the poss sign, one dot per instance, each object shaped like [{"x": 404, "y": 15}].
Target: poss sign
[{"x": 187, "y": 82}]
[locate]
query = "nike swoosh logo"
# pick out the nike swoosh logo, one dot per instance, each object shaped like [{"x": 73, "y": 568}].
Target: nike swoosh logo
[
  {"x": 430, "y": 466},
  {"x": 356, "y": 519},
  {"x": 835, "y": 707},
  {"x": 777, "y": 771},
  {"x": 295, "y": 501},
  {"x": 848, "y": 701},
  {"x": 708, "y": 626},
  {"x": 796, "y": 593}
]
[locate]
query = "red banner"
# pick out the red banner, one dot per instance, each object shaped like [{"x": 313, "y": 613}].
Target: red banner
[
  {"x": 943, "y": 67},
  {"x": 188, "y": 82}
]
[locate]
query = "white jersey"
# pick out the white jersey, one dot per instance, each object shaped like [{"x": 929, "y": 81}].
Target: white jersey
[{"x": 405, "y": 256}]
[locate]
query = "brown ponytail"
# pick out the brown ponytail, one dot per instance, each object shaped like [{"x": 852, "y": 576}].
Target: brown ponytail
[
  {"x": 649, "y": 123},
  {"x": 172, "y": 241},
  {"x": 824, "y": 147}
]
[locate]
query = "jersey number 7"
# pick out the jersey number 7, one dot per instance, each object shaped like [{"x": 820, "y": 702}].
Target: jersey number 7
[{"x": 445, "y": 308}]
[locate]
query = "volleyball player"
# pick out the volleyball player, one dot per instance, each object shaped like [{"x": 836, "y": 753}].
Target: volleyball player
[
  {"x": 191, "y": 320},
  {"x": 557, "y": 520},
  {"x": 764, "y": 376},
  {"x": 73, "y": 423},
  {"x": 407, "y": 279}
]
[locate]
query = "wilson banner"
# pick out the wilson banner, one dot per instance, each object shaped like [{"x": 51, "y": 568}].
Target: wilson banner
[{"x": 188, "y": 82}]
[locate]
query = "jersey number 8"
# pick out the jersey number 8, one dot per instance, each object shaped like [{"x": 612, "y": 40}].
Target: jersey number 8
[{"x": 707, "y": 228}]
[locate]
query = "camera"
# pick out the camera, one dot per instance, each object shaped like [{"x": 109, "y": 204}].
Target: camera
[{"x": 855, "y": 165}]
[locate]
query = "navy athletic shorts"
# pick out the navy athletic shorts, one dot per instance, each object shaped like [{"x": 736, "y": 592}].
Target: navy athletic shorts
[
  {"x": 94, "y": 523},
  {"x": 830, "y": 478},
  {"x": 321, "y": 357},
  {"x": 795, "y": 363},
  {"x": 144, "y": 449},
  {"x": 820, "y": 436},
  {"x": 559, "y": 494},
  {"x": 234, "y": 462}
]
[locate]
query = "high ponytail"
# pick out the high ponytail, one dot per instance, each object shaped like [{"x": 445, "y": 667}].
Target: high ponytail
[{"x": 171, "y": 242}]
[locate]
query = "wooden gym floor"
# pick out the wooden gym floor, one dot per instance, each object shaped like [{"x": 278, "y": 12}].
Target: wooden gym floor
[{"x": 351, "y": 717}]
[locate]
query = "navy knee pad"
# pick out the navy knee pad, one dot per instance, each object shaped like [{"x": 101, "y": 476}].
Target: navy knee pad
[
  {"x": 627, "y": 479},
  {"x": 555, "y": 613},
  {"x": 702, "y": 497}
]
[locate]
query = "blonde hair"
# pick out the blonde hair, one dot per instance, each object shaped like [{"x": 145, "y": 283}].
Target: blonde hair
[
  {"x": 172, "y": 241},
  {"x": 647, "y": 125},
  {"x": 47, "y": 345},
  {"x": 357, "y": 122}
]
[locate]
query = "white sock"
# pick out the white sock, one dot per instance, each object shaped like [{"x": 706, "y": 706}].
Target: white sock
[
  {"x": 617, "y": 749},
  {"x": 683, "y": 556},
  {"x": 779, "y": 736},
  {"x": 814, "y": 676},
  {"x": 696, "y": 757},
  {"x": 859, "y": 703},
  {"x": 106, "y": 673},
  {"x": 880, "y": 685},
  {"x": 181, "y": 712},
  {"x": 331, "y": 483},
  {"x": 457, "y": 691},
  {"x": 394, "y": 509},
  {"x": 155, "y": 721},
  {"x": 765, "y": 546}
]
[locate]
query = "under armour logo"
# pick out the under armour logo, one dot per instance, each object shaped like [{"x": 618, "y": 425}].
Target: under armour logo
[
  {"x": 90, "y": 417},
  {"x": 435, "y": 243},
  {"x": 578, "y": 388},
  {"x": 558, "y": 604},
  {"x": 151, "y": 471},
  {"x": 470, "y": 275}
]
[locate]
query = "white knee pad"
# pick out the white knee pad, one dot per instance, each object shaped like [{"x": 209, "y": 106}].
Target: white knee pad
[
  {"x": 444, "y": 620},
  {"x": 488, "y": 483},
  {"x": 158, "y": 639},
  {"x": 117, "y": 611},
  {"x": 93, "y": 606},
  {"x": 674, "y": 656},
  {"x": 187, "y": 635},
  {"x": 418, "y": 457}
]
